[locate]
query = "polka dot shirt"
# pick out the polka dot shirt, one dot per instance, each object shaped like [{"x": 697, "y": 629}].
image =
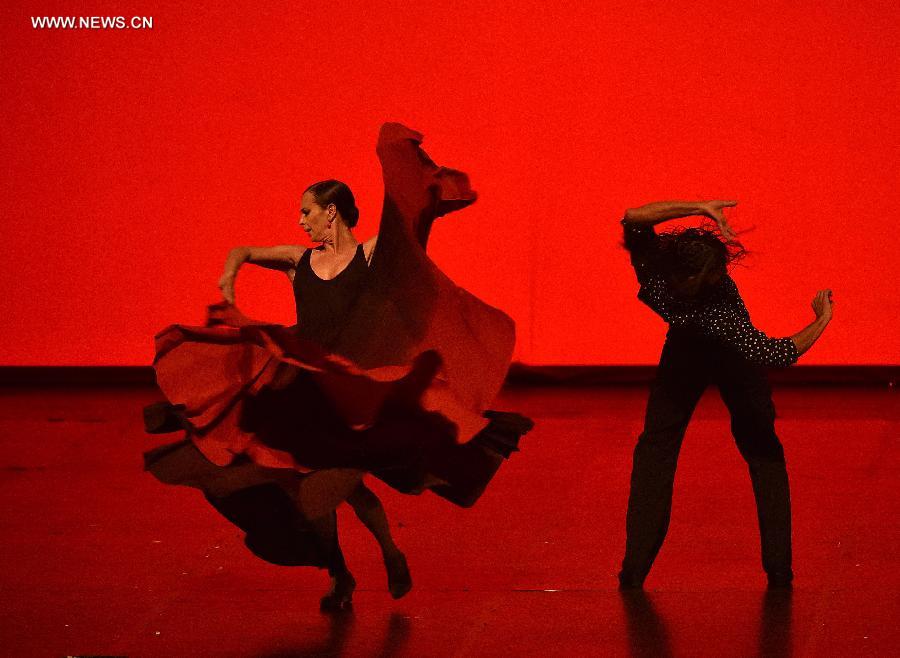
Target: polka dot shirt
[{"x": 721, "y": 315}]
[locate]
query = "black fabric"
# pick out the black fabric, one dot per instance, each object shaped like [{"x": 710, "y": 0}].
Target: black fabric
[
  {"x": 257, "y": 500},
  {"x": 642, "y": 244},
  {"x": 276, "y": 531},
  {"x": 323, "y": 305},
  {"x": 163, "y": 418},
  {"x": 688, "y": 365},
  {"x": 503, "y": 432}
]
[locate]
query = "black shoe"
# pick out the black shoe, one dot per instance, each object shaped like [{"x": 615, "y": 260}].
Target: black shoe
[
  {"x": 399, "y": 579},
  {"x": 781, "y": 579}
]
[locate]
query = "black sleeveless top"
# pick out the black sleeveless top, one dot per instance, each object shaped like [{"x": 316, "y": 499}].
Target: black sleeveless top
[{"x": 323, "y": 305}]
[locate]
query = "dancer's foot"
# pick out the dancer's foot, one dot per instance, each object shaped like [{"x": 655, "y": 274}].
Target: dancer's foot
[
  {"x": 339, "y": 598},
  {"x": 399, "y": 579}
]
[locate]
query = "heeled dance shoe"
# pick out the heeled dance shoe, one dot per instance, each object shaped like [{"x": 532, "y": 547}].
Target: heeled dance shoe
[{"x": 399, "y": 578}]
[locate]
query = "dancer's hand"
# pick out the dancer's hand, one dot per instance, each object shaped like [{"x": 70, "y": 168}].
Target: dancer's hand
[
  {"x": 217, "y": 314},
  {"x": 822, "y": 305},
  {"x": 226, "y": 285},
  {"x": 714, "y": 210},
  {"x": 806, "y": 337}
]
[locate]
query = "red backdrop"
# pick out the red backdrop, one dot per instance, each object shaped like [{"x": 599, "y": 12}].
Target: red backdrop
[{"x": 134, "y": 159}]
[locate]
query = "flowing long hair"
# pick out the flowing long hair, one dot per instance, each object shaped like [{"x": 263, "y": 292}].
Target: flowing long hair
[{"x": 694, "y": 260}]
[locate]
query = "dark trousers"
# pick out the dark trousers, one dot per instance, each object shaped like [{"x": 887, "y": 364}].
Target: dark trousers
[{"x": 687, "y": 366}]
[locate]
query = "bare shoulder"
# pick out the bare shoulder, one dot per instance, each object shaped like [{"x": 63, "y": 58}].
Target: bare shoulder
[
  {"x": 290, "y": 253},
  {"x": 297, "y": 252},
  {"x": 369, "y": 247},
  {"x": 284, "y": 257}
]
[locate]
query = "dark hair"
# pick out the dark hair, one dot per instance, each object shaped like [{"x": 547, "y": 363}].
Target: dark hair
[
  {"x": 695, "y": 259},
  {"x": 334, "y": 191}
]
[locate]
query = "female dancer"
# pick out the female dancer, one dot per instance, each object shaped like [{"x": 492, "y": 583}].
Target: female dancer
[
  {"x": 378, "y": 376},
  {"x": 683, "y": 278}
]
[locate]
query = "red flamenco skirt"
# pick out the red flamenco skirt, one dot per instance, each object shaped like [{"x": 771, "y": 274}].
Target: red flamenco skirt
[{"x": 279, "y": 431}]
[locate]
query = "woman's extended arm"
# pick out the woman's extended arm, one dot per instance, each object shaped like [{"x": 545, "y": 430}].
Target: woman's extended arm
[
  {"x": 661, "y": 211},
  {"x": 731, "y": 324},
  {"x": 806, "y": 337},
  {"x": 282, "y": 257}
]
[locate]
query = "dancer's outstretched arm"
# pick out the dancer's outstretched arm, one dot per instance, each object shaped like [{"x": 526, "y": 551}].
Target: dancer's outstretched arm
[
  {"x": 735, "y": 329},
  {"x": 283, "y": 258},
  {"x": 661, "y": 211}
]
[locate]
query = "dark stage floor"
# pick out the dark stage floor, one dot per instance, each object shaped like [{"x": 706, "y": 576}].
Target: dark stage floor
[{"x": 99, "y": 558}]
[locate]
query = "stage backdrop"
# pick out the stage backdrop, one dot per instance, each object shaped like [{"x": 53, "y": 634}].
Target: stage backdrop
[{"x": 134, "y": 158}]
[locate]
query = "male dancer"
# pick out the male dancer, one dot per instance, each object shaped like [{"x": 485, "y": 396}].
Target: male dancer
[{"x": 683, "y": 278}]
